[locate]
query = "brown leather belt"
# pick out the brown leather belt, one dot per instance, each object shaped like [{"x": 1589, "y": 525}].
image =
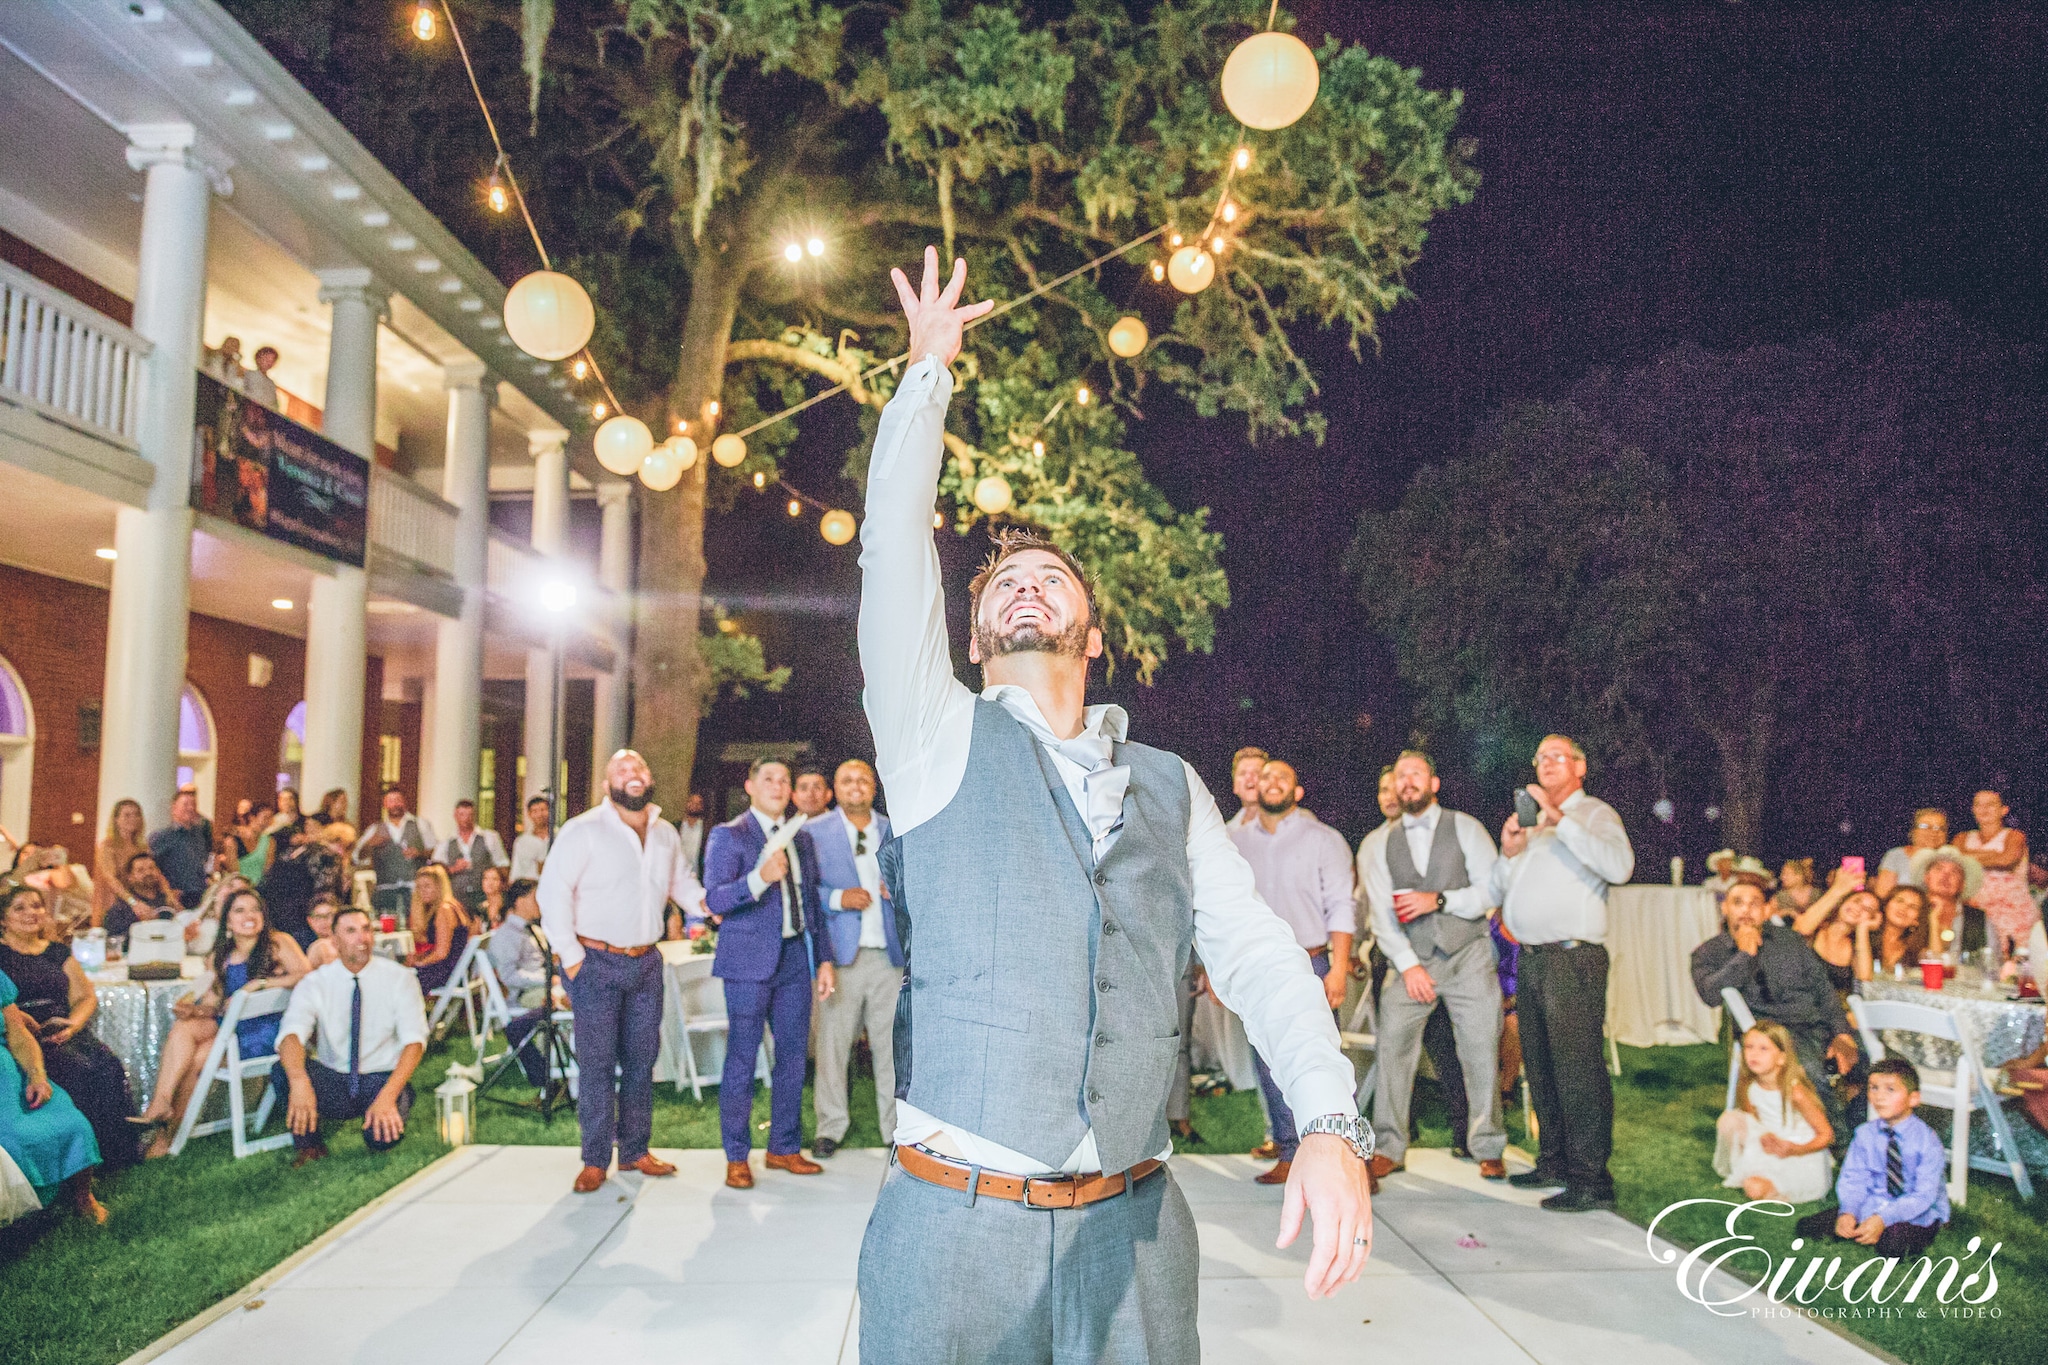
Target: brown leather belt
[
  {"x": 598, "y": 944},
  {"x": 1323, "y": 951},
  {"x": 1038, "y": 1191}
]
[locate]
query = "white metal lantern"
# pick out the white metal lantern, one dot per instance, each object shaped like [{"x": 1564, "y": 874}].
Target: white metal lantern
[
  {"x": 837, "y": 527},
  {"x": 1191, "y": 269},
  {"x": 1128, "y": 337},
  {"x": 622, "y": 443},
  {"x": 992, "y": 494},
  {"x": 456, "y": 1098},
  {"x": 1270, "y": 80},
  {"x": 729, "y": 450},
  {"x": 663, "y": 467},
  {"x": 549, "y": 315}
]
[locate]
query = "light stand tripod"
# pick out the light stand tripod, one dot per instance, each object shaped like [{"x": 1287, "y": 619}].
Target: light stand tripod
[{"x": 555, "y": 1053}]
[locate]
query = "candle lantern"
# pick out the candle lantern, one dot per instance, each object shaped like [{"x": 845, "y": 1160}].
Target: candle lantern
[{"x": 456, "y": 1097}]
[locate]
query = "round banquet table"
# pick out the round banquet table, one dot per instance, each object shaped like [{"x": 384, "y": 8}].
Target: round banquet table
[
  {"x": 1651, "y": 932},
  {"x": 2004, "y": 1028},
  {"x": 134, "y": 1017},
  {"x": 688, "y": 985}
]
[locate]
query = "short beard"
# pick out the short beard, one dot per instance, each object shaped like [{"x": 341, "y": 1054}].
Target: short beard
[
  {"x": 1419, "y": 804},
  {"x": 1281, "y": 809},
  {"x": 626, "y": 801},
  {"x": 1073, "y": 641}
]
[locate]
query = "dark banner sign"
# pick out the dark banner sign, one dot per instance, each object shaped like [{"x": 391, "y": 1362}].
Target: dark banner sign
[{"x": 260, "y": 469}]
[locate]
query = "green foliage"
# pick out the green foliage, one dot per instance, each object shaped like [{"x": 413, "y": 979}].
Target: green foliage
[{"x": 734, "y": 659}]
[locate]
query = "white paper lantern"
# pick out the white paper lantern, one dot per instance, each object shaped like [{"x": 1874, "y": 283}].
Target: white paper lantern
[
  {"x": 1191, "y": 269},
  {"x": 837, "y": 527},
  {"x": 549, "y": 315},
  {"x": 662, "y": 469},
  {"x": 1270, "y": 80},
  {"x": 729, "y": 450},
  {"x": 622, "y": 443},
  {"x": 686, "y": 451},
  {"x": 1128, "y": 337},
  {"x": 992, "y": 494}
]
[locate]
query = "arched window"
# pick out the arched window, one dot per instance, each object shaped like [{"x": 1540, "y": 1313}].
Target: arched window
[
  {"x": 17, "y": 751},
  {"x": 196, "y": 746}
]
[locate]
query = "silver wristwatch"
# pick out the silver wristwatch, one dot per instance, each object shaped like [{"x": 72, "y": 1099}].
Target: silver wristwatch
[{"x": 1351, "y": 1127}]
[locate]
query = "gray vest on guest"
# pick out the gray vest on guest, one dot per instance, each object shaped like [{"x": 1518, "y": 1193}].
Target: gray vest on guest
[
  {"x": 1440, "y": 934},
  {"x": 390, "y": 860},
  {"x": 1043, "y": 987}
]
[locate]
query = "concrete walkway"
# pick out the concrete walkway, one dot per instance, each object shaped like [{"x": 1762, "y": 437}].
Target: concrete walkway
[{"x": 491, "y": 1259}]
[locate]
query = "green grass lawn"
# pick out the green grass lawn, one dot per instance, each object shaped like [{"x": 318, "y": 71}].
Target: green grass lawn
[{"x": 189, "y": 1232}]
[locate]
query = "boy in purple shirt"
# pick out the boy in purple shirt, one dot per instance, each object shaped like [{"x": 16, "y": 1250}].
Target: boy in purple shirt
[{"x": 1892, "y": 1188}]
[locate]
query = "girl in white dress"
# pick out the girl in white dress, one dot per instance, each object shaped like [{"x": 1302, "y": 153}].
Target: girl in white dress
[{"x": 1774, "y": 1143}]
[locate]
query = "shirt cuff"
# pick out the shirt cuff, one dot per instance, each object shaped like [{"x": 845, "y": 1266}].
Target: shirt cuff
[
  {"x": 1321, "y": 1094},
  {"x": 756, "y": 888},
  {"x": 832, "y": 901},
  {"x": 1400, "y": 954}
]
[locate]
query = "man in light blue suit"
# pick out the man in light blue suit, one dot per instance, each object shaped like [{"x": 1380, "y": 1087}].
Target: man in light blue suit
[
  {"x": 768, "y": 953},
  {"x": 861, "y": 925}
]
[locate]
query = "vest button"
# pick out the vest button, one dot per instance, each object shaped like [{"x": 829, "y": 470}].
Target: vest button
[
  {"x": 1102, "y": 983},
  {"x": 1102, "y": 1040},
  {"x": 1102, "y": 879},
  {"x": 1095, "y": 1097},
  {"x": 1109, "y": 926}
]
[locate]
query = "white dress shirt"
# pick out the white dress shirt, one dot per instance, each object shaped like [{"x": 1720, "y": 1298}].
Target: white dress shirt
[
  {"x": 923, "y": 721},
  {"x": 529, "y": 854},
  {"x": 1468, "y": 902},
  {"x": 396, "y": 833},
  {"x": 394, "y": 1014},
  {"x": 605, "y": 882},
  {"x": 1556, "y": 888},
  {"x": 867, "y": 865},
  {"x": 757, "y": 885},
  {"x": 1302, "y": 868},
  {"x": 493, "y": 849},
  {"x": 692, "y": 834}
]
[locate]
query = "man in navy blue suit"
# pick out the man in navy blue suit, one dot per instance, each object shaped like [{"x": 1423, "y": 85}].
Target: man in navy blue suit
[
  {"x": 860, "y": 926},
  {"x": 767, "y": 956}
]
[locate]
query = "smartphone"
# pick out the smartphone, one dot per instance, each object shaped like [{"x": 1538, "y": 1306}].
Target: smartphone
[
  {"x": 1853, "y": 866},
  {"x": 1527, "y": 812}
]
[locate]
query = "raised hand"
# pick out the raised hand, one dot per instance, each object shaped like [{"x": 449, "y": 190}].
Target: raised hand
[{"x": 936, "y": 320}]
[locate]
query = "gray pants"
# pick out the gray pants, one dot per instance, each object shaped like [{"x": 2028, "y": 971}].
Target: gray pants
[
  {"x": 946, "y": 1282},
  {"x": 1470, "y": 991},
  {"x": 866, "y": 995}
]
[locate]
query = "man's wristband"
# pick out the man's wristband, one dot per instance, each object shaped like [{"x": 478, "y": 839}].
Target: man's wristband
[{"x": 1351, "y": 1127}]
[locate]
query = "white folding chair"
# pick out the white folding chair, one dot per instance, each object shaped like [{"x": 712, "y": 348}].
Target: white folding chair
[
  {"x": 1955, "y": 1090},
  {"x": 1738, "y": 1010},
  {"x": 463, "y": 987},
  {"x": 565, "y": 1020},
  {"x": 1361, "y": 1034},
  {"x": 493, "y": 1011},
  {"x": 226, "y": 1064},
  {"x": 689, "y": 1025}
]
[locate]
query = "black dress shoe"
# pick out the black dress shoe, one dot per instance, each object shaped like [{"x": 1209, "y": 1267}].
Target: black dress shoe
[
  {"x": 1576, "y": 1201},
  {"x": 1536, "y": 1180},
  {"x": 823, "y": 1147}
]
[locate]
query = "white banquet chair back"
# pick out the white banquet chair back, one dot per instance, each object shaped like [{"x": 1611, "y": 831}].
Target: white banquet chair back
[
  {"x": 226, "y": 1065},
  {"x": 1738, "y": 1010},
  {"x": 1956, "y": 1089},
  {"x": 464, "y": 987}
]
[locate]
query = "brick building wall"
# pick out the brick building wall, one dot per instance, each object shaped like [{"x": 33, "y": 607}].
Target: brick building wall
[{"x": 54, "y": 632}]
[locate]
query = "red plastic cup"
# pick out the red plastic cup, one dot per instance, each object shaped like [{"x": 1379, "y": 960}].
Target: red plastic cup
[
  {"x": 1932, "y": 972},
  {"x": 389, "y": 924}
]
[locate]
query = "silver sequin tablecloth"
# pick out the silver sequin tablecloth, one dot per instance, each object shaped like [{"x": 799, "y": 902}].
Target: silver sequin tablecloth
[
  {"x": 134, "y": 1018},
  {"x": 2004, "y": 1028}
]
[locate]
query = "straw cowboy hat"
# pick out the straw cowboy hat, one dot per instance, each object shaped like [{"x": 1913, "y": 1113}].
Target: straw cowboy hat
[
  {"x": 1973, "y": 871},
  {"x": 1751, "y": 870},
  {"x": 1726, "y": 853}
]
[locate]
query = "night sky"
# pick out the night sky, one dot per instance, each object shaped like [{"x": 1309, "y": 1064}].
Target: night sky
[{"x": 1722, "y": 174}]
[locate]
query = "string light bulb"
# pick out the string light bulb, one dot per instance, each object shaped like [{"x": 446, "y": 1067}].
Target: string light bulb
[
  {"x": 597, "y": 411},
  {"x": 1128, "y": 336},
  {"x": 760, "y": 479},
  {"x": 711, "y": 408},
  {"x": 1244, "y": 158},
  {"x": 796, "y": 508},
  {"x": 938, "y": 521},
  {"x": 1173, "y": 240},
  {"x": 837, "y": 527},
  {"x": 496, "y": 195},
  {"x": 1229, "y": 212},
  {"x": 581, "y": 369},
  {"x": 424, "y": 25},
  {"x": 1038, "y": 450},
  {"x": 728, "y": 450},
  {"x": 1158, "y": 271},
  {"x": 1192, "y": 270},
  {"x": 816, "y": 246},
  {"x": 992, "y": 495},
  {"x": 1081, "y": 396},
  {"x": 792, "y": 253}
]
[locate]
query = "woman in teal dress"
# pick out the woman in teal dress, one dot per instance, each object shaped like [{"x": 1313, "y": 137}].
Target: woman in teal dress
[{"x": 39, "y": 1125}]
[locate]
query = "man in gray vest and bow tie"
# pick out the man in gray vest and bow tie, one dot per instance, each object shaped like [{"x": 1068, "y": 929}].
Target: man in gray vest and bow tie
[
  {"x": 1428, "y": 879},
  {"x": 1054, "y": 878}
]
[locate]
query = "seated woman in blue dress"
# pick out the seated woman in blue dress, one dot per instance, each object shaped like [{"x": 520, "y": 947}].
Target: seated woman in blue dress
[
  {"x": 441, "y": 927},
  {"x": 248, "y": 955},
  {"x": 39, "y": 1125}
]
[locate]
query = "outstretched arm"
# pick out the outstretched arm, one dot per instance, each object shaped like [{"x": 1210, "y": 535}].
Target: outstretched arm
[{"x": 919, "y": 712}]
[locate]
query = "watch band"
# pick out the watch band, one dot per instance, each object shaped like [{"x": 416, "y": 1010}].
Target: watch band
[{"x": 1353, "y": 1128}]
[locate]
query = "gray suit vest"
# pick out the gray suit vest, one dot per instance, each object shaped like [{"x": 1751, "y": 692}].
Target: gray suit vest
[
  {"x": 1043, "y": 987},
  {"x": 1440, "y": 934},
  {"x": 391, "y": 859}
]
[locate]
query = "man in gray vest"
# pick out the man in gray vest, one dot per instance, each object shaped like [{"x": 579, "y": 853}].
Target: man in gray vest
[
  {"x": 1428, "y": 884},
  {"x": 1054, "y": 879},
  {"x": 396, "y": 848}
]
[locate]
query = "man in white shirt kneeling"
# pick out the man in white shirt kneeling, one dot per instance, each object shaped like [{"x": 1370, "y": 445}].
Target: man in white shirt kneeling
[{"x": 367, "y": 1024}]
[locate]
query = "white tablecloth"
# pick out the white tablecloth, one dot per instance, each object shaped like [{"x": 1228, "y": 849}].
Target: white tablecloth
[{"x": 1651, "y": 932}]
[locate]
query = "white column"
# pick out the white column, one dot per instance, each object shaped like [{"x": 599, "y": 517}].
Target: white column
[
  {"x": 550, "y": 537},
  {"x": 614, "y": 572},
  {"x": 336, "y": 635},
  {"x": 453, "y": 735},
  {"x": 153, "y": 574}
]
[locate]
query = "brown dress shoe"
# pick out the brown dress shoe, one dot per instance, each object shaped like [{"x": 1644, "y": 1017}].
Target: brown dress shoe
[
  {"x": 588, "y": 1179},
  {"x": 1495, "y": 1169},
  {"x": 306, "y": 1155},
  {"x": 1384, "y": 1166},
  {"x": 1268, "y": 1150},
  {"x": 1276, "y": 1176},
  {"x": 796, "y": 1163},
  {"x": 739, "y": 1175},
  {"x": 649, "y": 1164}
]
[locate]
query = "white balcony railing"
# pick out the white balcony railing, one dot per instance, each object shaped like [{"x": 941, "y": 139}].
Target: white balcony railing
[
  {"x": 518, "y": 574},
  {"x": 408, "y": 520},
  {"x": 69, "y": 362}
]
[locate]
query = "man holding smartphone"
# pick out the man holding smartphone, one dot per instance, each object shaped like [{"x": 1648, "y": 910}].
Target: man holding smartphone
[{"x": 1551, "y": 882}]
